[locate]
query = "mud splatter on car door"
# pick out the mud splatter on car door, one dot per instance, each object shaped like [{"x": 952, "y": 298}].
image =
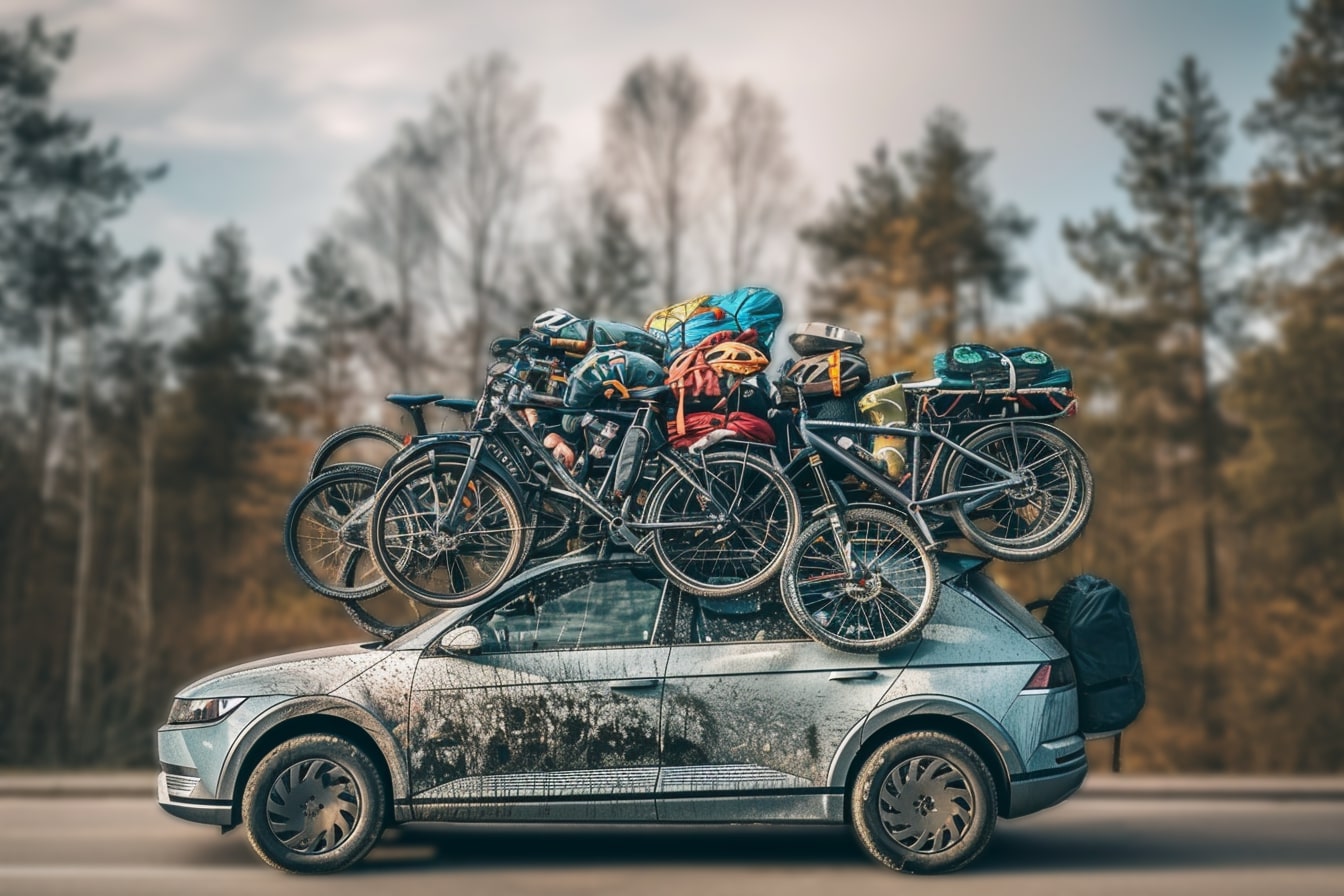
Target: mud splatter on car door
[
  {"x": 557, "y": 716},
  {"x": 754, "y": 711}
]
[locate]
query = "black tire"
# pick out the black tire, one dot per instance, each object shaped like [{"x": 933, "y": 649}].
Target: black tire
[
  {"x": 436, "y": 567},
  {"x": 314, "y": 804},
  {"x": 923, "y": 803},
  {"x": 740, "y": 558},
  {"x": 375, "y": 445},
  {"x": 326, "y": 537},
  {"x": 389, "y": 615},
  {"x": 552, "y": 527},
  {"x": 888, "y": 606},
  {"x": 1033, "y": 521}
]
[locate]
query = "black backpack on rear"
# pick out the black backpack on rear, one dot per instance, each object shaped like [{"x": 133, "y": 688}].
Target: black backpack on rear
[{"x": 1090, "y": 617}]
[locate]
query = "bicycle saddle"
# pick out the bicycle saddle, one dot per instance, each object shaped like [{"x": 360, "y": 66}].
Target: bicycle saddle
[
  {"x": 415, "y": 401},
  {"x": 465, "y": 405}
]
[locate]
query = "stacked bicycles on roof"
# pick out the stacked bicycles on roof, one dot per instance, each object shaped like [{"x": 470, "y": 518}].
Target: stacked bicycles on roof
[{"x": 671, "y": 440}]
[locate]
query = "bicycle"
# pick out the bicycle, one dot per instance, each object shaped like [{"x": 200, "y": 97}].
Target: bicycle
[
  {"x": 325, "y": 530},
  {"x": 444, "y": 527},
  {"x": 1015, "y": 487}
]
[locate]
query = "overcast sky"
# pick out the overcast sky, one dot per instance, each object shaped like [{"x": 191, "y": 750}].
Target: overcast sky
[{"x": 266, "y": 110}]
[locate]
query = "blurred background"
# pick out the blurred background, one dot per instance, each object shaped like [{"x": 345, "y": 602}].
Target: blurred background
[{"x": 227, "y": 229}]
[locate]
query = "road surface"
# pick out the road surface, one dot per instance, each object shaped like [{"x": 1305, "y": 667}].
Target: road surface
[{"x": 1112, "y": 845}]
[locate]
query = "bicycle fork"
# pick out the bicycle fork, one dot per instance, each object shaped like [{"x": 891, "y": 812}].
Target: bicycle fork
[{"x": 831, "y": 508}]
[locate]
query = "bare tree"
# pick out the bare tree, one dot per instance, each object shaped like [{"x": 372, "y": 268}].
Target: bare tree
[
  {"x": 477, "y": 154},
  {"x": 761, "y": 195},
  {"x": 394, "y": 238},
  {"x": 652, "y": 130}
]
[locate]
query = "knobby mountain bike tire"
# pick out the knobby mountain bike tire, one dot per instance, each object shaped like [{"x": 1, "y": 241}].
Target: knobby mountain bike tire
[
  {"x": 882, "y": 604},
  {"x": 425, "y": 554},
  {"x": 325, "y": 538},
  {"x": 1037, "y": 519},
  {"x": 373, "y": 442},
  {"x": 721, "y": 561}
]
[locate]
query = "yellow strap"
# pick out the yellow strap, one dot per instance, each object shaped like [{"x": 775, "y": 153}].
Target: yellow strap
[{"x": 833, "y": 367}]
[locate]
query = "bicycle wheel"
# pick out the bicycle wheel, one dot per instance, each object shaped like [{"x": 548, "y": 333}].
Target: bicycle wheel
[
  {"x": 325, "y": 533},
  {"x": 881, "y": 599},
  {"x": 718, "y": 559},
  {"x": 1036, "y": 519},
  {"x": 553, "y": 524},
  {"x": 365, "y": 442},
  {"x": 438, "y": 557},
  {"x": 389, "y": 615}
]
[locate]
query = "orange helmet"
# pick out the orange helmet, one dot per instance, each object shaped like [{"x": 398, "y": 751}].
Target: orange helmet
[{"x": 736, "y": 357}]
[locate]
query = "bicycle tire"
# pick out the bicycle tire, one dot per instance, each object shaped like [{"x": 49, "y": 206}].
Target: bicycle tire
[
  {"x": 360, "y": 432},
  {"x": 1037, "y": 520},
  {"x": 744, "y": 557},
  {"x": 328, "y": 553},
  {"x": 866, "y": 616},
  {"x": 389, "y": 615},
  {"x": 438, "y": 568}
]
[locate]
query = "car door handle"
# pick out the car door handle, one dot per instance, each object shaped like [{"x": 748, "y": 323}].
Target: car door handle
[
  {"x": 633, "y": 684},
  {"x": 853, "y": 674}
]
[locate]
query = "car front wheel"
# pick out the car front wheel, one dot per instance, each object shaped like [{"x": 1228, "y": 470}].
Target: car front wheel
[
  {"x": 924, "y": 803},
  {"x": 314, "y": 804}
]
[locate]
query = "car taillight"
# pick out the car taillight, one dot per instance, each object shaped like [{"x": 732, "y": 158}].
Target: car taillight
[{"x": 1056, "y": 674}]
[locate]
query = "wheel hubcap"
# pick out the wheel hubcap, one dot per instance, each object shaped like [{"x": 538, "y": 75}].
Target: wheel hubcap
[
  {"x": 313, "y": 806},
  {"x": 926, "y": 805}
]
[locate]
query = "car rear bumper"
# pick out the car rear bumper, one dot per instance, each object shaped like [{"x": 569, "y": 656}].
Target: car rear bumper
[
  {"x": 218, "y": 812},
  {"x": 1035, "y": 791}
]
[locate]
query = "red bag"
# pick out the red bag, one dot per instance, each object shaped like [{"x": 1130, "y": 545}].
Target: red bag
[
  {"x": 691, "y": 377},
  {"x": 744, "y": 426}
]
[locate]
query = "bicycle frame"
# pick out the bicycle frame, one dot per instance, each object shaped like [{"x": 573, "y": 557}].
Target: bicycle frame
[{"x": 814, "y": 434}]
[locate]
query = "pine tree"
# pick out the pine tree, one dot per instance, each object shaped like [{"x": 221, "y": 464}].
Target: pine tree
[
  {"x": 1175, "y": 298},
  {"x": 1301, "y": 178},
  {"x": 218, "y": 414},
  {"x": 863, "y": 254},
  {"x": 329, "y": 339},
  {"x": 901, "y": 258},
  {"x": 963, "y": 240}
]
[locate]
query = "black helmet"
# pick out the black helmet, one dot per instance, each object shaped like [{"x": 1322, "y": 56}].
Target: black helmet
[
  {"x": 610, "y": 374},
  {"x": 829, "y": 376}
]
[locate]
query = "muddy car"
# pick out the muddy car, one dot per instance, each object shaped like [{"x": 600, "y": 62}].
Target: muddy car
[{"x": 589, "y": 691}]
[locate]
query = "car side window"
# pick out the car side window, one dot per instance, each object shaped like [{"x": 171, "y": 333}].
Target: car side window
[
  {"x": 759, "y": 616},
  {"x": 579, "y": 607}
]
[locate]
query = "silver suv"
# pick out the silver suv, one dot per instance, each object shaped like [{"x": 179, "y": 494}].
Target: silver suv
[{"x": 593, "y": 691}]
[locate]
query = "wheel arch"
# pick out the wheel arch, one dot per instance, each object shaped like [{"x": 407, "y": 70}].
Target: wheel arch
[
  {"x": 948, "y": 716},
  {"x": 321, "y": 715}
]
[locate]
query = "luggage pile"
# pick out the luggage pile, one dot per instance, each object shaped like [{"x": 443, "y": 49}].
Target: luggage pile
[{"x": 673, "y": 439}]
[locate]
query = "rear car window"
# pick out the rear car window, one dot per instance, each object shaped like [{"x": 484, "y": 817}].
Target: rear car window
[{"x": 1002, "y": 604}]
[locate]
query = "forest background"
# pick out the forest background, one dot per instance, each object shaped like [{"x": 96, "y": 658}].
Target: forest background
[{"x": 150, "y": 442}]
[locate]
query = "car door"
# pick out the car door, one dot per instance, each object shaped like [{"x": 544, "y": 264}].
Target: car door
[
  {"x": 754, "y": 711},
  {"x": 556, "y": 716}
]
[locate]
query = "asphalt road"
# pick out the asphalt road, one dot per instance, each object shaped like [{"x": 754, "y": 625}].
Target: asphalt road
[{"x": 1113, "y": 845}]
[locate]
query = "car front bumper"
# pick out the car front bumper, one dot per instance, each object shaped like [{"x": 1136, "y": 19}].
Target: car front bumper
[{"x": 218, "y": 812}]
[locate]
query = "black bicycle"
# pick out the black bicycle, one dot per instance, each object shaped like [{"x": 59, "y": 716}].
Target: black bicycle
[{"x": 447, "y": 525}]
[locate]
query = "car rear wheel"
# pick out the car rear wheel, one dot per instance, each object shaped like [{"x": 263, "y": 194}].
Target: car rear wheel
[
  {"x": 924, "y": 803},
  {"x": 314, "y": 804}
]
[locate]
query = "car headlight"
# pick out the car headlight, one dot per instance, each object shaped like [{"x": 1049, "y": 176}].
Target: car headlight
[{"x": 194, "y": 712}]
